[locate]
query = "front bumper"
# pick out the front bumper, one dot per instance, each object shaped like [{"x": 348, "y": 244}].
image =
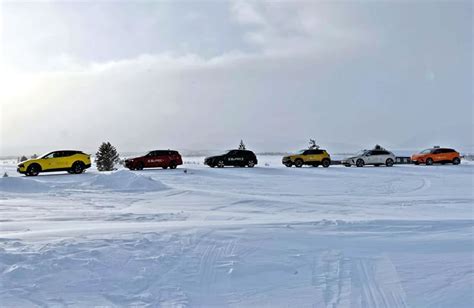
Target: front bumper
[{"x": 21, "y": 171}]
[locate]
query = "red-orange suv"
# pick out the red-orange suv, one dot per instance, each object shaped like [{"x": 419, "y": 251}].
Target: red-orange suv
[{"x": 436, "y": 155}]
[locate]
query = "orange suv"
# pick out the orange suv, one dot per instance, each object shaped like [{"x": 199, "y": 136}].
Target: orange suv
[{"x": 436, "y": 155}]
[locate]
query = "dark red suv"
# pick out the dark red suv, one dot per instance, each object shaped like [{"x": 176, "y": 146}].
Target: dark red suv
[{"x": 161, "y": 158}]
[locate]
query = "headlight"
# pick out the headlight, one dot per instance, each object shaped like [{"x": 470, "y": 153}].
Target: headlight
[{"x": 21, "y": 166}]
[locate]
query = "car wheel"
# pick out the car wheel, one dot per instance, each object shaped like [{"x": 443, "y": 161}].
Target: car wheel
[
  {"x": 220, "y": 164},
  {"x": 429, "y": 161},
  {"x": 289, "y": 164},
  {"x": 360, "y": 163},
  {"x": 456, "y": 161},
  {"x": 140, "y": 166},
  {"x": 165, "y": 167},
  {"x": 77, "y": 167},
  {"x": 33, "y": 170},
  {"x": 416, "y": 163},
  {"x": 389, "y": 162},
  {"x": 172, "y": 165},
  {"x": 347, "y": 165},
  {"x": 251, "y": 164},
  {"x": 298, "y": 163},
  {"x": 326, "y": 163}
]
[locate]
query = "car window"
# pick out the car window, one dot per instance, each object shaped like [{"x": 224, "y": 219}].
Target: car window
[
  {"x": 50, "y": 155},
  {"x": 369, "y": 153},
  {"x": 58, "y": 154}
]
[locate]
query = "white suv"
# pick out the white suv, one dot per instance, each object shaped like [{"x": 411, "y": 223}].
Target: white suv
[{"x": 377, "y": 157}]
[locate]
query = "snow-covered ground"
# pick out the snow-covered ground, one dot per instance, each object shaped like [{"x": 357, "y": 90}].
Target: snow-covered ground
[{"x": 237, "y": 237}]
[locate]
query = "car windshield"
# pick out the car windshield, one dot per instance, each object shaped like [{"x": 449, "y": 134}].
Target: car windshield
[
  {"x": 361, "y": 152},
  {"x": 301, "y": 151},
  {"x": 427, "y": 151},
  {"x": 45, "y": 154}
]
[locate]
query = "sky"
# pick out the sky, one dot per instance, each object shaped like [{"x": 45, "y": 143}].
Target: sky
[{"x": 197, "y": 75}]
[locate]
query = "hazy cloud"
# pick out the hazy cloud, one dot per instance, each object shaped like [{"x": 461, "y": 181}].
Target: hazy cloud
[{"x": 272, "y": 73}]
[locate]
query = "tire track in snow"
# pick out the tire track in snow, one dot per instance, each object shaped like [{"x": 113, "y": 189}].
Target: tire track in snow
[
  {"x": 376, "y": 284},
  {"x": 332, "y": 278}
]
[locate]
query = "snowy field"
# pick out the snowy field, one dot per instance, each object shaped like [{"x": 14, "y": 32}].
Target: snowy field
[{"x": 238, "y": 237}]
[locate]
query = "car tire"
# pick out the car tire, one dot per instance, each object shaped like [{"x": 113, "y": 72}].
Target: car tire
[
  {"x": 251, "y": 164},
  {"x": 416, "y": 163},
  {"x": 33, "y": 170},
  {"x": 360, "y": 163},
  {"x": 429, "y": 161},
  {"x": 220, "y": 164},
  {"x": 172, "y": 165},
  {"x": 456, "y": 161},
  {"x": 289, "y": 164},
  {"x": 347, "y": 165},
  {"x": 389, "y": 162},
  {"x": 139, "y": 166},
  {"x": 165, "y": 167},
  {"x": 326, "y": 163},
  {"x": 298, "y": 163},
  {"x": 77, "y": 167}
]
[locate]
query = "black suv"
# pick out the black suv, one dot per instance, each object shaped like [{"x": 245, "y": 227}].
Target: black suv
[{"x": 240, "y": 158}]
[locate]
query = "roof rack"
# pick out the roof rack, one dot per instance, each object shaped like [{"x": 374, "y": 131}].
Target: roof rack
[{"x": 436, "y": 147}]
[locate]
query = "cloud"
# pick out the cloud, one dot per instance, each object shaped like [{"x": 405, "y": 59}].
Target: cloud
[{"x": 311, "y": 70}]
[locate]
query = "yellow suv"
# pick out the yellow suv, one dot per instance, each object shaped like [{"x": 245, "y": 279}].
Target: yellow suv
[
  {"x": 70, "y": 161},
  {"x": 312, "y": 157}
]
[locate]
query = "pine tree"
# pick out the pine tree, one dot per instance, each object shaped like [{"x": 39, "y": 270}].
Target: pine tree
[
  {"x": 241, "y": 145},
  {"x": 106, "y": 157}
]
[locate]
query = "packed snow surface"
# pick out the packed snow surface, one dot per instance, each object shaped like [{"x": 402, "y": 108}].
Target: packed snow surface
[
  {"x": 125, "y": 180},
  {"x": 270, "y": 236}
]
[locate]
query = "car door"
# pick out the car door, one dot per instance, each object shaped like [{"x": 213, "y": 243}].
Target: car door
[
  {"x": 445, "y": 155},
  {"x": 234, "y": 158},
  {"x": 47, "y": 161},
  {"x": 371, "y": 158},
  {"x": 382, "y": 157},
  {"x": 58, "y": 160},
  {"x": 149, "y": 159},
  {"x": 437, "y": 155},
  {"x": 155, "y": 159}
]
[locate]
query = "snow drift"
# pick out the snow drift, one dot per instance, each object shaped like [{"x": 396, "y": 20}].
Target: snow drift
[
  {"x": 125, "y": 180},
  {"x": 22, "y": 185}
]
